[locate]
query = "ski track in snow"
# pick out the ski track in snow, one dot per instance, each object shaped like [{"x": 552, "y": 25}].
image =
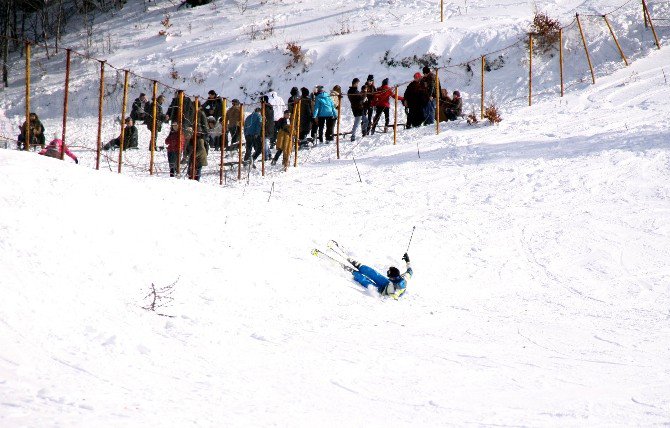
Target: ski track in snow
[{"x": 541, "y": 253}]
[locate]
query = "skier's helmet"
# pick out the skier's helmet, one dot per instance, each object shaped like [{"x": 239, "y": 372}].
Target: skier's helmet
[{"x": 393, "y": 273}]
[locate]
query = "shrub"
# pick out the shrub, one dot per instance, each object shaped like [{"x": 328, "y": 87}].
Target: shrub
[
  {"x": 296, "y": 55},
  {"x": 492, "y": 114},
  {"x": 546, "y": 32}
]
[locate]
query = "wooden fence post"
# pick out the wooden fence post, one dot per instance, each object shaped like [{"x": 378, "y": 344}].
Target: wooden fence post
[
  {"x": 607, "y": 21},
  {"x": 483, "y": 89},
  {"x": 263, "y": 119},
  {"x": 295, "y": 159},
  {"x": 224, "y": 136},
  {"x": 180, "y": 128},
  {"x": 560, "y": 59},
  {"x": 586, "y": 49},
  {"x": 65, "y": 101},
  {"x": 240, "y": 136},
  {"x": 152, "y": 142},
  {"x": 395, "y": 117},
  {"x": 194, "y": 141},
  {"x": 339, "y": 115},
  {"x": 292, "y": 131},
  {"x": 437, "y": 101},
  {"x": 101, "y": 96},
  {"x": 123, "y": 118},
  {"x": 26, "y": 135},
  {"x": 651, "y": 24},
  {"x": 530, "y": 69},
  {"x": 644, "y": 14},
  {"x": 441, "y": 10}
]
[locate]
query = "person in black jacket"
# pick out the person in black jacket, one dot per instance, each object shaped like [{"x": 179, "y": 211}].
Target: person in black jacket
[
  {"x": 431, "y": 88},
  {"x": 138, "y": 111},
  {"x": 269, "y": 126},
  {"x": 173, "y": 110},
  {"x": 212, "y": 106},
  {"x": 160, "y": 116},
  {"x": 454, "y": 106},
  {"x": 357, "y": 101},
  {"x": 129, "y": 137},
  {"x": 306, "y": 110},
  {"x": 416, "y": 99}
]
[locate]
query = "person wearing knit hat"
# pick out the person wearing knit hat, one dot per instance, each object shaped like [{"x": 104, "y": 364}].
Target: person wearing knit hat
[
  {"x": 382, "y": 104},
  {"x": 368, "y": 91}
]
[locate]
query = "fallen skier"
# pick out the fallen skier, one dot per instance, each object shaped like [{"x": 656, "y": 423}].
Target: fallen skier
[{"x": 393, "y": 284}]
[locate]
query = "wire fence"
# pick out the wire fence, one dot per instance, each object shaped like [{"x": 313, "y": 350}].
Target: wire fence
[{"x": 123, "y": 152}]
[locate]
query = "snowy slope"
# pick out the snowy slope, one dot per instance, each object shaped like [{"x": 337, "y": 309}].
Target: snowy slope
[
  {"x": 541, "y": 294},
  {"x": 540, "y": 297}
]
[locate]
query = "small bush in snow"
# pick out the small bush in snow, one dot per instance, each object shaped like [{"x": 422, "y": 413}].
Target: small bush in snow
[
  {"x": 546, "y": 32},
  {"x": 344, "y": 28},
  {"x": 296, "y": 55},
  {"x": 492, "y": 114},
  {"x": 472, "y": 117}
]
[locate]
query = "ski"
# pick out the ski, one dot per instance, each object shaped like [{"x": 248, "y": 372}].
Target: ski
[
  {"x": 346, "y": 266},
  {"x": 338, "y": 249}
]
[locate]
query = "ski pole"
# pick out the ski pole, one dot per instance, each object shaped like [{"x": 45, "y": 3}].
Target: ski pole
[{"x": 410, "y": 239}]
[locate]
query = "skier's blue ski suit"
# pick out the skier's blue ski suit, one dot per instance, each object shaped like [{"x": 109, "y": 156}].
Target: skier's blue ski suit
[{"x": 394, "y": 287}]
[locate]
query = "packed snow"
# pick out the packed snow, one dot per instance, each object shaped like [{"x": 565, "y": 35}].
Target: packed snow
[{"x": 541, "y": 294}]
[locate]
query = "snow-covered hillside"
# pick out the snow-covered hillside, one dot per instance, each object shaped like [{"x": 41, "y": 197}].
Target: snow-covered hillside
[{"x": 541, "y": 293}]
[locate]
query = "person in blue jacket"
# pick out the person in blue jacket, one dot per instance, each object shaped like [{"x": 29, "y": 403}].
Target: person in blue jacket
[
  {"x": 252, "y": 133},
  {"x": 325, "y": 113},
  {"x": 393, "y": 284}
]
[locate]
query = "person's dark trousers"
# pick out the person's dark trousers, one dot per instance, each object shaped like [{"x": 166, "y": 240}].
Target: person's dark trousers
[
  {"x": 368, "y": 113},
  {"x": 330, "y": 126},
  {"x": 215, "y": 142},
  {"x": 321, "y": 122},
  {"x": 198, "y": 170},
  {"x": 305, "y": 129},
  {"x": 172, "y": 160},
  {"x": 273, "y": 139},
  {"x": 415, "y": 117},
  {"x": 234, "y": 137},
  {"x": 451, "y": 115},
  {"x": 279, "y": 152},
  {"x": 315, "y": 128},
  {"x": 255, "y": 142},
  {"x": 429, "y": 112},
  {"x": 378, "y": 114}
]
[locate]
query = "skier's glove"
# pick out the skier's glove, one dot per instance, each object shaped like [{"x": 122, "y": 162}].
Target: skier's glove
[
  {"x": 405, "y": 257},
  {"x": 76, "y": 161}
]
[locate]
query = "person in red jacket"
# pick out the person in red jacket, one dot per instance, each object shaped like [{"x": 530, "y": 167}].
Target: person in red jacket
[
  {"x": 54, "y": 148},
  {"x": 381, "y": 104},
  {"x": 175, "y": 145}
]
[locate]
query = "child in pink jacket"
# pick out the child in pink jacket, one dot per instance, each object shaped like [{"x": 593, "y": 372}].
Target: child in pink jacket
[{"x": 54, "y": 148}]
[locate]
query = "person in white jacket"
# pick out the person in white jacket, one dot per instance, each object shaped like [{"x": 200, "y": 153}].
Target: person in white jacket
[{"x": 277, "y": 103}]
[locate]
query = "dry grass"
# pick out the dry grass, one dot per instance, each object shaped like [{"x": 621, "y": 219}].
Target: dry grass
[{"x": 472, "y": 117}]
